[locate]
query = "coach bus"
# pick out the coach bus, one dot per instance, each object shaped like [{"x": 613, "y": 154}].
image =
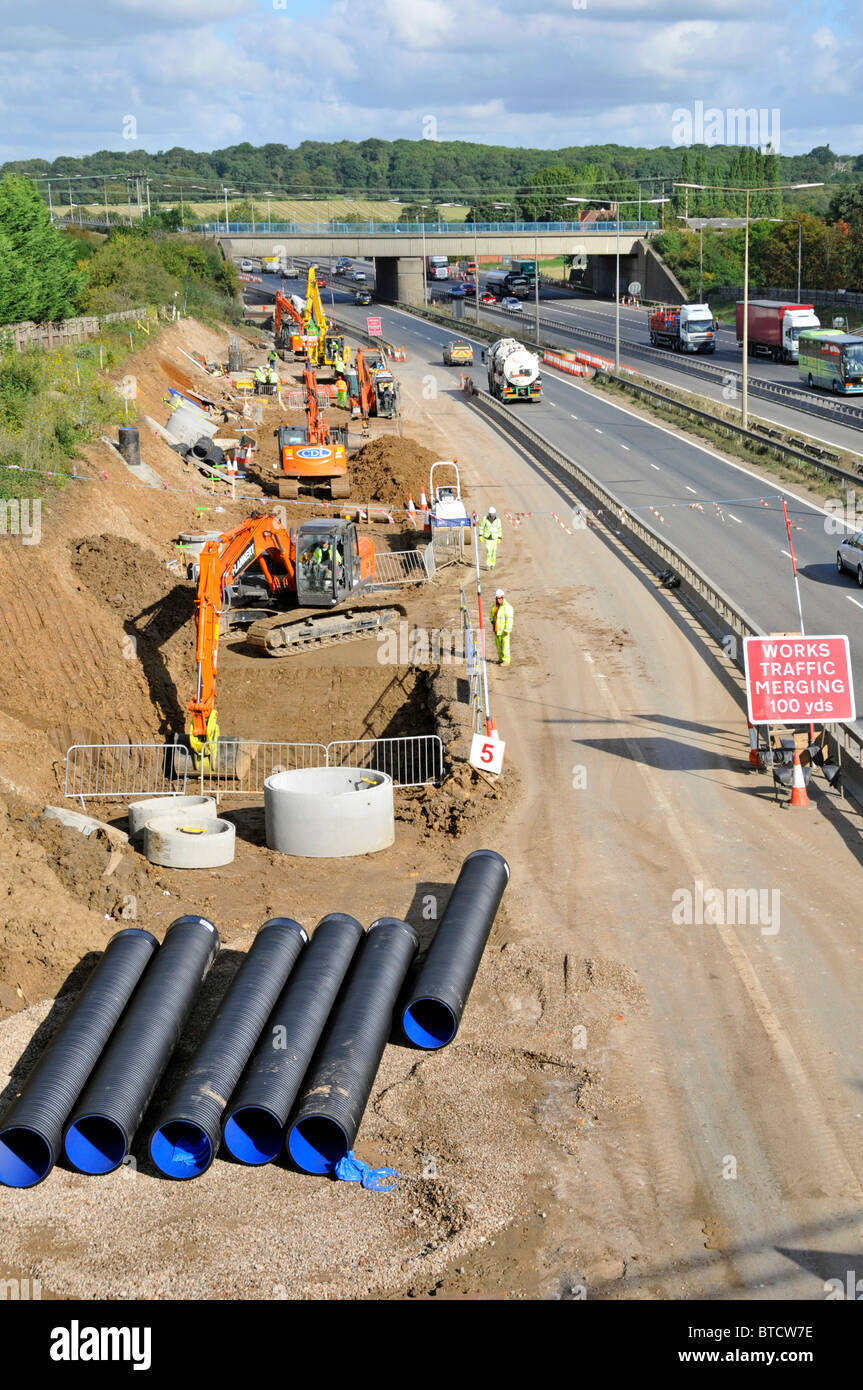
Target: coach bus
[{"x": 831, "y": 359}]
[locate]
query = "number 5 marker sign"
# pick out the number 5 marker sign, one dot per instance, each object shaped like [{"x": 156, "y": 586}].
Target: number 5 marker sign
[{"x": 486, "y": 753}]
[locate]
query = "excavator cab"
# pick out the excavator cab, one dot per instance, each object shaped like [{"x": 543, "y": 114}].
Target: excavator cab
[
  {"x": 328, "y": 562},
  {"x": 334, "y": 347}
]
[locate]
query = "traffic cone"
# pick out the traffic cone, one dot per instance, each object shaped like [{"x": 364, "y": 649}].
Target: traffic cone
[
  {"x": 412, "y": 511},
  {"x": 798, "y": 786},
  {"x": 753, "y": 745},
  {"x": 424, "y": 509}
]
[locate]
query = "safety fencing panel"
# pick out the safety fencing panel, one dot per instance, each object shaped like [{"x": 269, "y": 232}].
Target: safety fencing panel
[
  {"x": 474, "y": 670},
  {"x": 412, "y": 761},
  {"x": 403, "y": 566},
  {"x": 237, "y": 767}
]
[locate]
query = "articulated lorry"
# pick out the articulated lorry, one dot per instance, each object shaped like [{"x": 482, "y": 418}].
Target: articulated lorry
[
  {"x": 513, "y": 371},
  {"x": 684, "y": 328},
  {"x": 774, "y": 327}
]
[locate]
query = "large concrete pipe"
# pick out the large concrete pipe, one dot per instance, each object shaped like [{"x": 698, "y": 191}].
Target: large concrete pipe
[{"x": 329, "y": 812}]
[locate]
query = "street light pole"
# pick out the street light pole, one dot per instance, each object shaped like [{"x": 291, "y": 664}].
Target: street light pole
[
  {"x": 225, "y": 188},
  {"x": 423, "y": 228},
  {"x": 617, "y": 292},
  {"x": 535, "y": 276},
  {"x": 744, "y": 416},
  {"x": 799, "y": 258}
]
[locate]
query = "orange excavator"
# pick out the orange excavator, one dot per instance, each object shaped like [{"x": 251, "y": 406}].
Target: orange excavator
[
  {"x": 314, "y": 454},
  {"x": 289, "y": 329},
  {"x": 322, "y": 564},
  {"x": 374, "y": 388}
]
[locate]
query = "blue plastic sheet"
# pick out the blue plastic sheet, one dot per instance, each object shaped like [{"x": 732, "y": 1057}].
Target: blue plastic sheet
[{"x": 352, "y": 1169}]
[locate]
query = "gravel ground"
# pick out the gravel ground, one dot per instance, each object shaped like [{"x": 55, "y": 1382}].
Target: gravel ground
[{"x": 471, "y": 1131}]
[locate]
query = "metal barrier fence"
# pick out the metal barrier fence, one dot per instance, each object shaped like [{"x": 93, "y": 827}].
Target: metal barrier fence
[
  {"x": 237, "y": 767},
  {"x": 404, "y": 566}
]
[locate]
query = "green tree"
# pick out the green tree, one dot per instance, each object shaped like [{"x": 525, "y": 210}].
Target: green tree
[
  {"x": 245, "y": 211},
  {"x": 39, "y": 278}
]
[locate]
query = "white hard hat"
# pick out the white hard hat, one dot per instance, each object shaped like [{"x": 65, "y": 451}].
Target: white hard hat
[
  {"x": 498, "y": 593},
  {"x": 492, "y": 511}
]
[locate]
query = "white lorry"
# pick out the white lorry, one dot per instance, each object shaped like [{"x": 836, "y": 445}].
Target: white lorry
[{"x": 513, "y": 371}]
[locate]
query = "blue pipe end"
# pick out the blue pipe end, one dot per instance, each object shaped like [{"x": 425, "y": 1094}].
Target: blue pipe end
[
  {"x": 181, "y": 1149},
  {"x": 429, "y": 1023},
  {"x": 317, "y": 1143},
  {"x": 95, "y": 1144},
  {"x": 25, "y": 1156},
  {"x": 254, "y": 1135}
]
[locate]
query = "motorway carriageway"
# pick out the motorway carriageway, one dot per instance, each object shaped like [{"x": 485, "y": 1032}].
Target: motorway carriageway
[{"x": 744, "y": 550}]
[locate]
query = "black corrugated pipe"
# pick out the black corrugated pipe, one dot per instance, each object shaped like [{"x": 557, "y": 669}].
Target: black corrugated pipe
[
  {"x": 259, "y": 1108},
  {"x": 105, "y": 1118},
  {"x": 437, "y": 997},
  {"x": 334, "y": 1095},
  {"x": 31, "y": 1135},
  {"x": 185, "y": 1138}
]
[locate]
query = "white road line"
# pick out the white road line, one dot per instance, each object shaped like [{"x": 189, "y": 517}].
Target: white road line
[
  {"x": 688, "y": 488},
  {"x": 854, "y": 600},
  {"x": 787, "y": 552},
  {"x": 573, "y": 417},
  {"x": 735, "y": 518},
  {"x": 625, "y": 446},
  {"x": 598, "y": 431},
  {"x": 656, "y": 466}
]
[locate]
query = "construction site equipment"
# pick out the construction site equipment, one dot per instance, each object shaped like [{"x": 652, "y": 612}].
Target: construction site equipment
[
  {"x": 235, "y": 355},
  {"x": 372, "y": 386},
  {"x": 110, "y": 1109},
  {"x": 316, "y": 454},
  {"x": 185, "y": 841},
  {"x": 329, "y": 812},
  {"x": 259, "y": 1109},
  {"x": 448, "y": 520},
  {"x": 513, "y": 371},
  {"x": 199, "y": 807},
  {"x": 31, "y": 1134},
  {"x": 185, "y": 1139},
  {"x": 438, "y": 996},
  {"x": 329, "y": 346},
  {"x": 338, "y": 1085},
  {"x": 289, "y": 327},
  {"x": 319, "y": 566}
]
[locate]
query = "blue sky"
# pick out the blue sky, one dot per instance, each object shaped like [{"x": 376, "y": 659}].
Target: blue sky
[{"x": 209, "y": 73}]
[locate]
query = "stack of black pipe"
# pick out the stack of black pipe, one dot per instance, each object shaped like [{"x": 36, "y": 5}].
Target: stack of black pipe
[{"x": 288, "y": 1061}]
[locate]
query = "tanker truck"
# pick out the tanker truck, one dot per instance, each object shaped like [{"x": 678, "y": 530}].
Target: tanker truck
[
  {"x": 774, "y": 327},
  {"x": 513, "y": 371}
]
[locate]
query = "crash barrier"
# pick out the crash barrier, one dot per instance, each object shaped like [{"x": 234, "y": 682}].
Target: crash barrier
[
  {"x": 294, "y": 1045},
  {"x": 237, "y": 767},
  {"x": 471, "y": 648},
  {"x": 570, "y": 364},
  {"x": 31, "y": 1135},
  {"x": 719, "y": 613}
]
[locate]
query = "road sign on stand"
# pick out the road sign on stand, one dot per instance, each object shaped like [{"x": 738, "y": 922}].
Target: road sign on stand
[
  {"x": 799, "y": 680},
  {"x": 374, "y": 327},
  {"x": 486, "y": 753}
]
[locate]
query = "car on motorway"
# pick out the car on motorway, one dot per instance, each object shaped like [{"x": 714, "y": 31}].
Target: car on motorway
[
  {"x": 456, "y": 291},
  {"x": 362, "y": 297},
  {"x": 246, "y": 266},
  {"x": 322, "y": 284},
  {"x": 457, "y": 353},
  {"x": 358, "y": 276},
  {"x": 849, "y": 556},
  {"x": 290, "y": 272},
  {"x": 470, "y": 289},
  {"x": 511, "y": 303},
  {"x": 487, "y": 298},
  {"x": 342, "y": 267}
]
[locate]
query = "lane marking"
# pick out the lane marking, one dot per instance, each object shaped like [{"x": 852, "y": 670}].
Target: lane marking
[
  {"x": 625, "y": 446},
  {"x": 656, "y": 466},
  {"x": 854, "y": 600},
  {"x": 598, "y": 431},
  {"x": 787, "y": 552},
  {"x": 735, "y": 518},
  {"x": 688, "y": 488}
]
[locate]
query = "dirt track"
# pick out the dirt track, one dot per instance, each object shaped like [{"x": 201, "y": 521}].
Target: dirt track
[{"x": 699, "y": 1137}]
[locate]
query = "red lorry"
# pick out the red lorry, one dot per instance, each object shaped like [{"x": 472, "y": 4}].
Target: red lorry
[{"x": 774, "y": 327}]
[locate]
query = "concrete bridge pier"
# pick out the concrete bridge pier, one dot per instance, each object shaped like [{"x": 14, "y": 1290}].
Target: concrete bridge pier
[{"x": 400, "y": 277}]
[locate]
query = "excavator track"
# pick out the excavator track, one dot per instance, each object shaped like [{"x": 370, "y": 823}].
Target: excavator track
[{"x": 275, "y": 637}]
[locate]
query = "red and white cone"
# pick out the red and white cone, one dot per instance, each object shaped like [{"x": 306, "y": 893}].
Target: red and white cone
[
  {"x": 424, "y": 509},
  {"x": 412, "y": 511},
  {"x": 753, "y": 745},
  {"x": 798, "y": 786}
]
